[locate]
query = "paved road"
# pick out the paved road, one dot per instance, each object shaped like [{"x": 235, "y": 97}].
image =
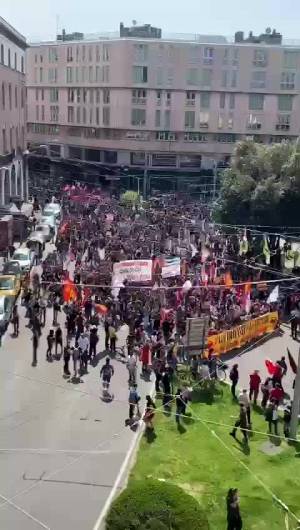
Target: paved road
[{"x": 61, "y": 446}]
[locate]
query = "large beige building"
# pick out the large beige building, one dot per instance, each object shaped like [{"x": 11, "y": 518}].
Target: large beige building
[
  {"x": 161, "y": 103},
  {"x": 12, "y": 112}
]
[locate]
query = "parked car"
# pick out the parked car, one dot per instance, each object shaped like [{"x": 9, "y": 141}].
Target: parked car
[
  {"x": 6, "y": 307},
  {"x": 12, "y": 267},
  {"x": 25, "y": 257},
  {"x": 48, "y": 220},
  {"x": 10, "y": 285},
  {"x": 44, "y": 230}
]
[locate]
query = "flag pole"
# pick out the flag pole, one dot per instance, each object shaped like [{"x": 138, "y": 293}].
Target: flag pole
[{"x": 296, "y": 404}]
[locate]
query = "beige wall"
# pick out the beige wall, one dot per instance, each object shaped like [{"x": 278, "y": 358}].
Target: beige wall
[{"x": 168, "y": 67}]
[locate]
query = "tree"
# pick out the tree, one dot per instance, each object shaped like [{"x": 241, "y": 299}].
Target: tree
[{"x": 262, "y": 186}]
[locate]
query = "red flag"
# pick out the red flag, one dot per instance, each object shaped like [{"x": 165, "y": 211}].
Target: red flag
[
  {"x": 69, "y": 291},
  {"x": 248, "y": 287},
  {"x": 101, "y": 309},
  {"x": 228, "y": 279},
  {"x": 271, "y": 367},
  {"x": 292, "y": 362}
]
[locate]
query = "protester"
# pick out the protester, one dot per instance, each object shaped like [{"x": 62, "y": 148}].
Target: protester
[
  {"x": 272, "y": 416},
  {"x": 58, "y": 340},
  {"x": 106, "y": 373},
  {"x": 242, "y": 423},
  {"x": 149, "y": 413},
  {"x": 243, "y": 399},
  {"x": 133, "y": 401},
  {"x": 234, "y": 376},
  {"x": 255, "y": 382},
  {"x": 50, "y": 343},
  {"x": 234, "y": 520}
]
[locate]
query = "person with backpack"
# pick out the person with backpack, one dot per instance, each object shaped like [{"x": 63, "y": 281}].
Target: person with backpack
[{"x": 234, "y": 377}]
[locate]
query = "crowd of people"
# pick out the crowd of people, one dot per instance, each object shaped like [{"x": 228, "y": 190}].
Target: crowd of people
[{"x": 75, "y": 283}]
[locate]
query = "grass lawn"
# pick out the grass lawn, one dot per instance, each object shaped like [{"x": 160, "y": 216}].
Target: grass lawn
[{"x": 206, "y": 465}]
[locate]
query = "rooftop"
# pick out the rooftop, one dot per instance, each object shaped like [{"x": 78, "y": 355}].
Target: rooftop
[{"x": 11, "y": 33}]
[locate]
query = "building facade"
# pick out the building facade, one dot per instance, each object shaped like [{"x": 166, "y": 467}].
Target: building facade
[
  {"x": 12, "y": 113},
  {"x": 160, "y": 104}
]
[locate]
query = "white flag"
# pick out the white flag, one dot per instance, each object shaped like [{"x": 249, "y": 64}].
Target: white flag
[{"x": 274, "y": 295}]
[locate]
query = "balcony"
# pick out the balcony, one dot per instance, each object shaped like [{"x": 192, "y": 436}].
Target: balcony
[
  {"x": 190, "y": 102},
  {"x": 282, "y": 127},
  {"x": 139, "y": 101}
]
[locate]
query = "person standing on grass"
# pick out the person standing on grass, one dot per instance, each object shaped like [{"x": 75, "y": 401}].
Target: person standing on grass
[
  {"x": 272, "y": 416},
  {"x": 234, "y": 377},
  {"x": 242, "y": 423},
  {"x": 244, "y": 400},
  {"x": 234, "y": 519},
  {"x": 149, "y": 413},
  {"x": 255, "y": 381}
]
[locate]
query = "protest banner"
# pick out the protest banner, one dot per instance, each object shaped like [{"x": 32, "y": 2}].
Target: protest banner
[
  {"x": 136, "y": 271},
  {"x": 240, "y": 335}
]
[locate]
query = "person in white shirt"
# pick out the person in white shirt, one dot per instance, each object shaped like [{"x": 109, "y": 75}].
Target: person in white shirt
[
  {"x": 83, "y": 345},
  {"x": 132, "y": 365},
  {"x": 244, "y": 400}
]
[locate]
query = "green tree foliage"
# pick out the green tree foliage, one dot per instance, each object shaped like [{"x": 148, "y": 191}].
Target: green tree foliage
[
  {"x": 154, "y": 505},
  {"x": 262, "y": 186}
]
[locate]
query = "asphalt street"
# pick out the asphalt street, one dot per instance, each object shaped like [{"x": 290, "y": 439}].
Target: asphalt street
[{"x": 61, "y": 446}]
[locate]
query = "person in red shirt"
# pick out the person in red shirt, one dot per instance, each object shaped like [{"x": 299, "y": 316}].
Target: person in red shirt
[
  {"x": 255, "y": 381},
  {"x": 145, "y": 357},
  {"x": 276, "y": 394}
]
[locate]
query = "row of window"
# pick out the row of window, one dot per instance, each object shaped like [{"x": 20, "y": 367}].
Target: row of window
[
  {"x": 78, "y": 74},
  {"x": 12, "y": 96},
  {"x": 75, "y": 53},
  {"x": 12, "y": 60},
  {"x": 12, "y": 138},
  {"x": 76, "y": 95}
]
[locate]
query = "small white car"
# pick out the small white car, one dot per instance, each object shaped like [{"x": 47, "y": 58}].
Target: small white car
[
  {"x": 25, "y": 257},
  {"x": 44, "y": 230}
]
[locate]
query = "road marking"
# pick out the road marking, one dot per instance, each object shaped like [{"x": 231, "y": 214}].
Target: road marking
[
  {"x": 19, "y": 509},
  {"x": 50, "y": 451}
]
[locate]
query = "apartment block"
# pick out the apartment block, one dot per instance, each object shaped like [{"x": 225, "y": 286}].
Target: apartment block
[
  {"x": 12, "y": 112},
  {"x": 159, "y": 103}
]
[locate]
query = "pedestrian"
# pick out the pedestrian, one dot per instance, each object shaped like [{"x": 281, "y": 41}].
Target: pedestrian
[
  {"x": 58, "y": 340},
  {"x": 15, "y": 320},
  {"x": 242, "y": 423},
  {"x": 132, "y": 367},
  {"x": 43, "y": 306},
  {"x": 234, "y": 520},
  {"x": 295, "y": 317},
  {"x": 75, "y": 356},
  {"x": 50, "y": 342},
  {"x": 244, "y": 400},
  {"x": 35, "y": 345},
  {"x": 283, "y": 365},
  {"x": 266, "y": 388},
  {"x": 255, "y": 381},
  {"x": 67, "y": 356},
  {"x": 272, "y": 416},
  {"x": 83, "y": 345},
  {"x": 287, "y": 416},
  {"x": 133, "y": 401},
  {"x": 212, "y": 364},
  {"x": 234, "y": 377},
  {"x": 166, "y": 383},
  {"x": 93, "y": 343},
  {"x": 106, "y": 330},
  {"x": 56, "y": 309},
  {"x": 180, "y": 406},
  {"x": 112, "y": 338},
  {"x": 276, "y": 394},
  {"x": 149, "y": 413},
  {"x": 106, "y": 373}
]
